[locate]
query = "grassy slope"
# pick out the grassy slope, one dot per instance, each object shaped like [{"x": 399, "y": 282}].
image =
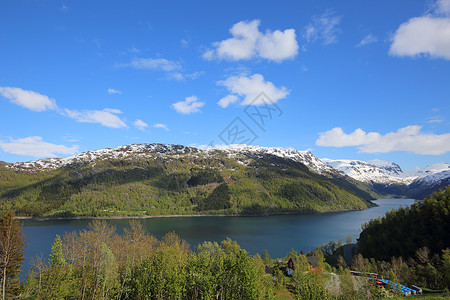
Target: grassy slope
[{"x": 159, "y": 185}]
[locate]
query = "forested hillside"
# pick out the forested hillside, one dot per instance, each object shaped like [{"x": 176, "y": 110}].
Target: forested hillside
[
  {"x": 173, "y": 181},
  {"x": 402, "y": 232}
]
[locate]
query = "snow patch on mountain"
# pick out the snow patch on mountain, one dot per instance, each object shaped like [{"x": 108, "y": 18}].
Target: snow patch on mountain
[
  {"x": 305, "y": 157},
  {"x": 240, "y": 152},
  {"x": 122, "y": 152},
  {"x": 386, "y": 172}
]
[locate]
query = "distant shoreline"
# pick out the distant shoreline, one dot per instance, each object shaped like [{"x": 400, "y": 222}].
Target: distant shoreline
[{"x": 181, "y": 216}]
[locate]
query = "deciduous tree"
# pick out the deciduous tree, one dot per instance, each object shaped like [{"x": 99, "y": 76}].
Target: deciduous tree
[{"x": 12, "y": 247}]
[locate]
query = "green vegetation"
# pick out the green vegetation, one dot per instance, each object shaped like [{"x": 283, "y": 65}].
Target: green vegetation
[
  {"x": 98, "y": 263},
  {"x": 12, "y": 247},
  {"x": 176, "y": 184},
  {"x": 402, "y": 232}
]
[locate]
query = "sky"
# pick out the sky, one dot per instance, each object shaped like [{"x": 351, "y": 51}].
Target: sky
[{"x": 344, "y": 79}]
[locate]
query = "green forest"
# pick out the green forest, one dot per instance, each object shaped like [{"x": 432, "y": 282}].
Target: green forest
[
  {"x": 99, "y": 263},
  {"x": 177, "y": 185}
]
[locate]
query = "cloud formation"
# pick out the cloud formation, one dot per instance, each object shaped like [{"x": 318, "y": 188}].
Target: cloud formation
[
  {"x": 141, "y": 125},
  {"x": 248, "y": 42},
  {"x": 426, "y": 35},
  {"x": 442, "y": 8},
  {"x": 106, "y": 117},
  {"x": 38, "y": 102},
  {"x": 28, "y": 99},
  {"x": 113, "y": 91},
  {"x": 183, "y": 76},
  {"x": 188, "y": 106},
  {"x": 155, "y": 64},
  {"x": 368, "y": 39},
  {"x": 162, "y": 126},
  {"x": 227, "y": 100},
  {"x": 324, "y": 28},
  {"x": 36, "y": 147},
  {"x": 250, "y": 87},
  {"x": 173, "y": 69},
  {"x": 408, "y": 138}
]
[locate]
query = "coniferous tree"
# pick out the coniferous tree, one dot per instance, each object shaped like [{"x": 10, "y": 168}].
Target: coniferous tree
[{"x": 12, "y": 247}]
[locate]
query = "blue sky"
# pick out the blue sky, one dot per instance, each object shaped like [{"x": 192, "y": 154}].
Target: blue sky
[{"x": 347, "y": 79}]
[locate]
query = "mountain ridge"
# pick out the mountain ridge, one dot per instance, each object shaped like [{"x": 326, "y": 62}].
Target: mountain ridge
[
  {"x": 159, "y": 179},
  {"x": 388, "y": 178},
  {"x": 285, "y": 179}
]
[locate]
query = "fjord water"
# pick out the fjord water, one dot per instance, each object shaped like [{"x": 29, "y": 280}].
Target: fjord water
[{"x": 278, "y": 234}]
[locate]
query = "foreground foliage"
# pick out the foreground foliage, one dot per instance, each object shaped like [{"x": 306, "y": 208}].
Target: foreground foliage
[
  {"x": 99, "y": 264},
  {"x": 12, "y": 247}
]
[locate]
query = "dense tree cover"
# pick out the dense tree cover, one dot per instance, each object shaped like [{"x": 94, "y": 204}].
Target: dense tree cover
[
  {"x": 97, "y": 263},
  {"x": 12, "y": 247},
  {"x": 218, "y": 199},
  {"x": 201, "y": 177},
  {"x": 403, "y": 231},
  {"x": 174, "y": 184}
]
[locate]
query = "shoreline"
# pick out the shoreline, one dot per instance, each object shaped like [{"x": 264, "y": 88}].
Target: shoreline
[{"x": 267, "y": 214}]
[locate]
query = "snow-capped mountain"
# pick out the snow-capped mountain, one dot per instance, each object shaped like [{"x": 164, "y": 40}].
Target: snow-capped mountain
[
  {"x": 241, "y": 152},
  {"x": 304, "y": 157},
  {"x": 122, "y": 152},
  {"x": 383, "y": 175},
  {"x": 371, "y": 171},
  {"x": 173, "y": 179}
]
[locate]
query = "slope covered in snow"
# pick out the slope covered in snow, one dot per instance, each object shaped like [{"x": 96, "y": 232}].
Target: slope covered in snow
[
  {"x": 371, "y": 171},
  {"x": 378, "y": 172},
  {"x": 304, "y": 157},
  {"x": 148, "y": 150},
  {"x": 122, "y": 152}
]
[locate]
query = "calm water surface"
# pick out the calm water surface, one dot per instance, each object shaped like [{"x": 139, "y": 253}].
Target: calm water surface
[{"x": 277, "y": 234}]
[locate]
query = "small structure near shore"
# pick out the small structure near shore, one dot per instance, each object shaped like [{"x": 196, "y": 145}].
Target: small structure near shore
[{"x": 290, "y": 267}]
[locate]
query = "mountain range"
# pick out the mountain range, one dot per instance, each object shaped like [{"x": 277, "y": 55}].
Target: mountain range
[
  {"x": 155, "y": 179},
  {"x": 388, "y": 178}
]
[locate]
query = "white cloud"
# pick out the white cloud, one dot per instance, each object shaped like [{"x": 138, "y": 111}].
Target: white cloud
[
  {"x": 37, "y": 102},
  {"x": 250, "y": 88},
  {"x": 408, "y": 138},
  {"x": 160, "y": 125},
  {"x": 425, "y": 35},
  {"x": 155, "y": 64},
  {"x": 227, "y": 100},
  {"x": 323, "y": 28},
  {"x": 368, "y": 39},
  {"x": 435, "y": 119},
  {"x": 28, "y": 99},
  {"x": 141, "y": 125},
  {"x": 189, "y": 106},
  {"x": 113, "y": 91},
  {"x": 442, "y": 8},
  {"x": 106, "y": 117},
  {"x": 278, "y": 45},
  {"x": 336, "y": 137},
  {"x": 173, "y": 69},
  {"x": 248, "y": 42},
  {"x": 183, "y": 76},
  {"x": 35, "y": 146}
]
